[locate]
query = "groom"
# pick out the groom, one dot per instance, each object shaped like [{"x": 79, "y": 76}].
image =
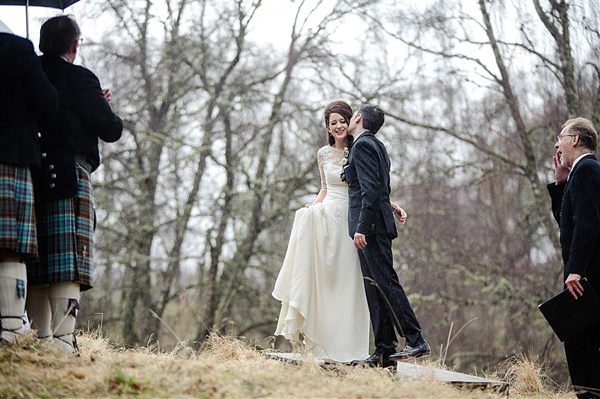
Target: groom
[{"x": 371, "y": 225}]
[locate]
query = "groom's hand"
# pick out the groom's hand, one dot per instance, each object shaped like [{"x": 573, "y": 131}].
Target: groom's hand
[{"x": 360, "y": 241}]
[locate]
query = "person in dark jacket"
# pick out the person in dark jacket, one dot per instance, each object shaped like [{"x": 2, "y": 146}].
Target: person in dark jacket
[
  {"x": 26, "y": 96},
  {"x": 64, "y": 196},
  {"x": 576, "y": 207},
  {"x": 371, "y": 226}
]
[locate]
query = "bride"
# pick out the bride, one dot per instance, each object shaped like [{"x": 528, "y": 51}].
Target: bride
[{"x": 320, "y": 284}]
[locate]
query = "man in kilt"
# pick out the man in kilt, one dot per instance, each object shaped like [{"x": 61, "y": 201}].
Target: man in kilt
[
  {"x": 64, "y": 196},
  {"x": 26, "y": 95}
]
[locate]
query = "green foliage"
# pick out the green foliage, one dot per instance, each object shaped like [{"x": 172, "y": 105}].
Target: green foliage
[{"x": 122, "y": 384}]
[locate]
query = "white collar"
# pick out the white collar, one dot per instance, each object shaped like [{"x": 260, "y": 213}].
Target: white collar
[
  {"x": 358, "y": 135},
  {"x": 579, "y": 158}
]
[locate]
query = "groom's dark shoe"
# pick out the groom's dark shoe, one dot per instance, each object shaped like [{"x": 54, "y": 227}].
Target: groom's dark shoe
[
  {"x": 376, "y": 360},
  {"x": 408, "y": 352}
]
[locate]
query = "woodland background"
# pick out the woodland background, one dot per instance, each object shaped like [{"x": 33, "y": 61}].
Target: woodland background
[{"x": 195, "y": 203}]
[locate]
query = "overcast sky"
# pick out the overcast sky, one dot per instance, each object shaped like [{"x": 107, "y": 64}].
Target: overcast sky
[
  {"x": 272, "y": 23},
  {"x": 14, "y": 18}
]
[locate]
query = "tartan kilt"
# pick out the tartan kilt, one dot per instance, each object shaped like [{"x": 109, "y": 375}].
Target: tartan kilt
[
  {"x": 17, "y": 213},
  {"x": 65, "y": 238}
]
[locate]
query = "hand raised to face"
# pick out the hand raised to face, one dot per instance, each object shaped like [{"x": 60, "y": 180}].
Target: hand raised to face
[{"x": 560, "y": 172}]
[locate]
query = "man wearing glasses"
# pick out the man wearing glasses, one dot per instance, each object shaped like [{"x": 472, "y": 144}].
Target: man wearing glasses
[{"x": 576, "y": 207}]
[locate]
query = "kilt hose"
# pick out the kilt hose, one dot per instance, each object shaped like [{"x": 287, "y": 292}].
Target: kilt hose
[
  {"x": 65, "y": 238},
  {"x": 17, "y": 214}
]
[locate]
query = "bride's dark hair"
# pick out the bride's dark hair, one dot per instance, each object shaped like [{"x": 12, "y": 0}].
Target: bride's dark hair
[{"x": 337, "y": 107}]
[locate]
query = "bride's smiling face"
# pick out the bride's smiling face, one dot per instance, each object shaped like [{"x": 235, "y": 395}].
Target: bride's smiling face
[{"x": 338, "y": 127}]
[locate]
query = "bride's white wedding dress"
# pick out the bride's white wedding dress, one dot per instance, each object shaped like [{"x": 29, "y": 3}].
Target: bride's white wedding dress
[{"x": 320, "y": 283}]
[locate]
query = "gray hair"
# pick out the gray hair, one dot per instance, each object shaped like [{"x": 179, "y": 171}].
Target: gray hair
[{"x": 584, "y": 128}]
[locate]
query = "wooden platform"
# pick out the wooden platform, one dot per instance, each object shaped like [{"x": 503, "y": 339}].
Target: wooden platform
[
  {"x": 300, "y": 358},
  {"x": 410, "y": 369},
  {"x": 413, "y": 370},
  {"x": 294, "y": 357}
]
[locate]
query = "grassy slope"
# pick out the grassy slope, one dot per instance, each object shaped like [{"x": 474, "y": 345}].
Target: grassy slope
[{"x": 227, "y": 368}]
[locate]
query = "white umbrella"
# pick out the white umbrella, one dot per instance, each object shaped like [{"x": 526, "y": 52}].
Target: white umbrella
[
  {"x": 4, "y": 28},
  {"x": 60, "y": 4}
]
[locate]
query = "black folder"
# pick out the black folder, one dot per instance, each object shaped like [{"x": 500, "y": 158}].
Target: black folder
[{"x": 567, "y": 315}]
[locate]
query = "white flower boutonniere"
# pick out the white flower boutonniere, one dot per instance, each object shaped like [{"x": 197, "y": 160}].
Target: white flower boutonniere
[
  {"x": 345, "y": 159},
  {"x": 344, "y": 162}
]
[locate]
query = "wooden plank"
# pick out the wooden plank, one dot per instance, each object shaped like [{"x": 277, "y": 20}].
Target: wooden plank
[
  {"x": 406, "y": 369},
  {"x": 294, "y": 357},
  {"x": 471, "y": 382}
]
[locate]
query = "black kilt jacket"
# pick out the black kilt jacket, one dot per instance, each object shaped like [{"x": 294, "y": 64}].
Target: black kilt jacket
[{"x": 26, "y": 97}]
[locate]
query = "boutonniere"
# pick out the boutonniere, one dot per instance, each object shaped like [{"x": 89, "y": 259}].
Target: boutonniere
[
  {"x": 345, "y": 159},
  {"x": 344, "y": 163}
]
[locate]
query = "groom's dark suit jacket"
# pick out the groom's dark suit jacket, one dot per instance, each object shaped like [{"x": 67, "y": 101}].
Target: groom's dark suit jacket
[
  {"x": 370, "y": 213},
  {"x": 369, "y": 209},
  {"x": 576, "y": 208},
  {"x": 26, "y": 95}
]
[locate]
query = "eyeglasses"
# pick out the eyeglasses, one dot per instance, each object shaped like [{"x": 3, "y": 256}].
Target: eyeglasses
[{"x": 560, "y": 136}]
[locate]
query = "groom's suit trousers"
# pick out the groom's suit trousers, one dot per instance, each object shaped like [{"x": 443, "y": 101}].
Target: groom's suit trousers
[{"x": 387, "y": 298}]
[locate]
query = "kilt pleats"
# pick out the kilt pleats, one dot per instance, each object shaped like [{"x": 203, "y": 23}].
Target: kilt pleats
[
  {"x": 17, "y": 214},
  {"x": 65, "y": 238}
]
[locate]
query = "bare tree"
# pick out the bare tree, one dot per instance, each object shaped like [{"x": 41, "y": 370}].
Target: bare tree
[
  {"x": 268, "y": 195},
  {"x": 195, "y": 205},
  {"x": 463, "y": 99}
]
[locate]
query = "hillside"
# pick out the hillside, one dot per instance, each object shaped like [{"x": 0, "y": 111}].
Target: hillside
[{"x": 225, "y": 368}]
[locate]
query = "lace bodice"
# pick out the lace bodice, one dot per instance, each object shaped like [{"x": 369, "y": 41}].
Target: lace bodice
[
  {"x": 335, "y": 204},
  {"x": 330, "y": 166}
]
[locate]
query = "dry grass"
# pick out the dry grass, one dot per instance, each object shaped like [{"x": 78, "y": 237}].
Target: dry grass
[
  {"x": 225, "y": 368},
  {"x": 527, "y": 379}
]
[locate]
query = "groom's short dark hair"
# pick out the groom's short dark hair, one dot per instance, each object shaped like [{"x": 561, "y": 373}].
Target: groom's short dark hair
[{"x": 372, "y": 116}]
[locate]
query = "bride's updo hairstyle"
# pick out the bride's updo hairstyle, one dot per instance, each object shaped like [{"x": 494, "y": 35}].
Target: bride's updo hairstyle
[{"x": 337, "y": 107}]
